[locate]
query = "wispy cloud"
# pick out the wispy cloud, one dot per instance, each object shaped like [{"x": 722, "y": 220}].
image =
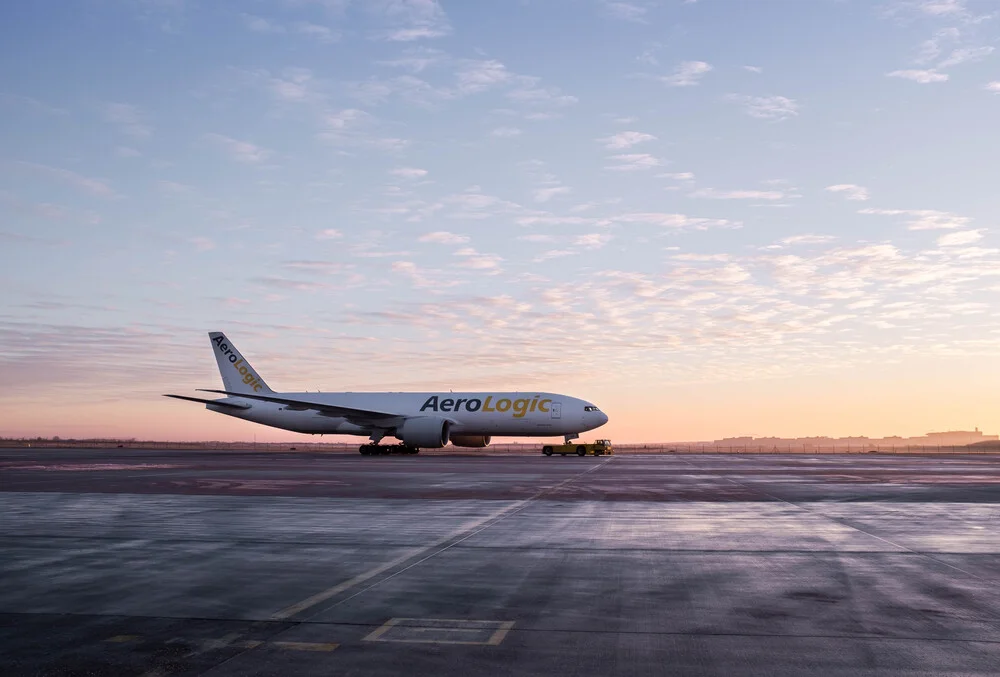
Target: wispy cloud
[
  {"x": 676, "y": 221},
  {"x": 767, "y": 107},
  {"x": 714, "y": 194},
  {"x": 630, "y": 162},
  {"x": 444, "y": 237},
  {"x": 411, "y": 20},
  {"x": 329, "y": 234},
  {"x": 992, "y": 86},
  {"x": 626, "y": 11},
  {"x": 8, "y": 99},
  {"x": 923, "y": 219},
  {"x": 924, "y": 77},
  {"x": 241, "y": 151},
  {"x": 409, "y": 172},
  {"x": 98, "y": 187},
  {"x": 849, "y": 191},
  {"x": 128, "y": 118},
  {"x": 687, "y": 74},
  {"x": 623, "y": 140},
  {"x": 960, "y": 238},
  {"x": 505, "y": 132}
]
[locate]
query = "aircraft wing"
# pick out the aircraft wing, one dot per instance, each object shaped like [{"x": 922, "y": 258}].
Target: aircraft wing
[
  {"x": 363, "y": 416},
  {"x": 220, "y": 403}
]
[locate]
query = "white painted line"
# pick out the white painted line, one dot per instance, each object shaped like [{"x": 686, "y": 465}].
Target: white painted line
[{"x": 464, "y": 532}]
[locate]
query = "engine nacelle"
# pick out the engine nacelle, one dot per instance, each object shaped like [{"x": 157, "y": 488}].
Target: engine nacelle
[
  {"x": 474, "y": 441},
  {"x": 429, "y": 432}
]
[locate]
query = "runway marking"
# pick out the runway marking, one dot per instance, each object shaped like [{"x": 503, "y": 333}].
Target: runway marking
[
  {"x": 463, "y": 533},
  {"x": 493, "y": 632},
  {"x": 121, "y": 639}
]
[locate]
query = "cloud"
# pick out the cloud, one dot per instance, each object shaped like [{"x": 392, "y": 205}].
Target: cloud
[
  {"x": 713, "y": 194},
  {"x": 241, "y": 151},
  {"x": 202, "y": 244},
  {"x": 687, "y": 74},
  {"x": 626, "y": 11},
  {"x": 941, "y": 7},
  {"x": 966, "y": 55},
  {"x": 753, "y": 69},
  {"x": 478, "y": 76},
  {"x": 259, "y": 24},
  {"x": 30, "y": 103},
  {"x": 633, "y": 162},
  {"x": 546, "y": 194},
  {"x": 93, "y": 186},
  {"x": 808, "y": 239},
  {"x": 295, "y": 85},
  {"x": 767, "y": 107},
  {"x": 505, "y": 132},
  {"x": 329, "y": 234},
  {"x": 592, "y": 240},
  {"x": 623, "y": 140},
  {"x": 128, "y": 118},
  {"x": 552, "y": 254},
  {"x": 326, "y": 267},
  {"x": 411, "y": 19},
  {"x": 317, "y": 31},
  {"x": 676, "y": 221},
  {"x": 355, "y": 127},
  {"x": 409, "y": 172},
  {"x": 444, "y": 237},
  {"x": 850, "y": 191},
  {"x": 536, "y": 237},
  {"x": 484, "y": 262},
  {"x": 285, "y": 283},
  {"x": 992, "y": 86},
  {"x": 923, "y": 219},
  {"x": 960, "y": 238},
  {"x": 416, "y": 59},
  {"x": 677, "y": 176},
  {"x": 922, "y": 76}
]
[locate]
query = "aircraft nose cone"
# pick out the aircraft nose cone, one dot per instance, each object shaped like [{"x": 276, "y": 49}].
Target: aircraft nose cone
[{"x": 604, "y": 418}]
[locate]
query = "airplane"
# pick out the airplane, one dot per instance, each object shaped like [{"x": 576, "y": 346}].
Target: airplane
[{"x": 428, "y": 420}]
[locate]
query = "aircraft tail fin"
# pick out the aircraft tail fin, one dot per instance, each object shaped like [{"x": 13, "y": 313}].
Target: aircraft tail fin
[{"x": 237, "y": 374}]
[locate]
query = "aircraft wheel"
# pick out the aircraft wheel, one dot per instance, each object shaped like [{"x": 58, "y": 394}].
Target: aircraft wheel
[{"x": 364, "y": 450}]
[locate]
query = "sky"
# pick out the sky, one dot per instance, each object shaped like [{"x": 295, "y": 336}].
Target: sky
[{"x": 711, "y": 218}]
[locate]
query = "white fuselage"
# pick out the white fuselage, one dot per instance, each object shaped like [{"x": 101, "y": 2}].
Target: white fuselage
[{"x": 530, "y": 414}]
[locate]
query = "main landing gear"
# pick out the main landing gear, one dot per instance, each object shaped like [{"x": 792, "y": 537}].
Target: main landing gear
[{"x": 385, "y": 450}]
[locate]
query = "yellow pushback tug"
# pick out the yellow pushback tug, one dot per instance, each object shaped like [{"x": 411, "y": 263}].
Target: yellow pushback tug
[{"x": 598, "y": 448}]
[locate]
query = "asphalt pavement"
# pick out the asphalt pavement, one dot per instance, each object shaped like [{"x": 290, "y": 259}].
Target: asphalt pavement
[{"x": 135, "y": 562}]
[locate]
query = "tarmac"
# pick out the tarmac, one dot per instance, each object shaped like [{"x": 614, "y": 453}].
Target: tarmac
[{"x": 129, "y": 562}]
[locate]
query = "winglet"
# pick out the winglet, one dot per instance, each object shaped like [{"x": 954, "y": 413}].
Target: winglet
[{"x": 237, "y": 374}]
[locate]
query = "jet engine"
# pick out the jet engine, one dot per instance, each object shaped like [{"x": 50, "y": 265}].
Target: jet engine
[
  {"x": 474, "y": 441},
  {"x": 429, "y": 432}
]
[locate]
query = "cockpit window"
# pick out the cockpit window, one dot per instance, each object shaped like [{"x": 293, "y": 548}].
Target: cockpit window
[{"x": 590, "y": 407}]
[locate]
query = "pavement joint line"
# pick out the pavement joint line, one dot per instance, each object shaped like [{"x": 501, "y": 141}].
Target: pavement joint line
[
  {"x": 846, "y": 523},
  {"x": 463, "y": 533}
]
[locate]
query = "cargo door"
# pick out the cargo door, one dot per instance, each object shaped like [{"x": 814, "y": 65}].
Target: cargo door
[{"x": 556, "y": 409}]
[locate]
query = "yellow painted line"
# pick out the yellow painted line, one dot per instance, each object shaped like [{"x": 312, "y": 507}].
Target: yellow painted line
[
  {"x": 464, "y": 530},
  {"x": 501, "y": 633},
  {"x": 374, "y": 636},
  {"x": 121, "y": 639}
]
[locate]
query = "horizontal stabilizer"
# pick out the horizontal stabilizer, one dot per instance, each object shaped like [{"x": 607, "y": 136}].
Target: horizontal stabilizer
[
  {"x": 220, "y": 403},
  {"x": 303, "y": 405}
]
